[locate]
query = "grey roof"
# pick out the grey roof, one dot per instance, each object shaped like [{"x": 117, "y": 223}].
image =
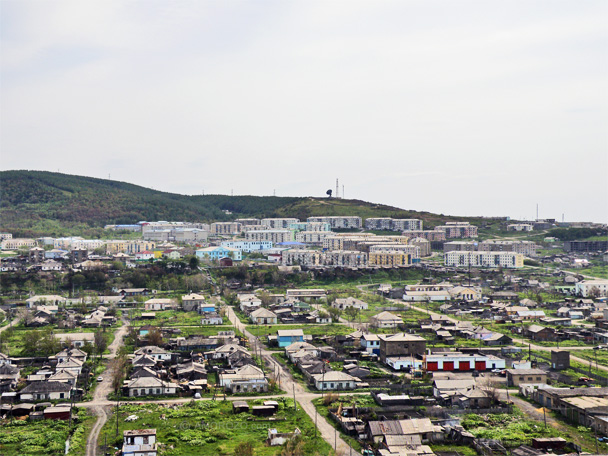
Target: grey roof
[{"x": 46, "y": 387}]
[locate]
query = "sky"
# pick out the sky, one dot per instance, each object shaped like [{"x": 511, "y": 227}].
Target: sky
[{"x": 449, "y": 106}]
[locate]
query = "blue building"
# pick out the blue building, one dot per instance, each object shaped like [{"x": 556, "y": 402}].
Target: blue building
[
  {"x": 287, "y": 337},
  {"x": 217, "y": 253},
  {"x": 248, "y": 246}
]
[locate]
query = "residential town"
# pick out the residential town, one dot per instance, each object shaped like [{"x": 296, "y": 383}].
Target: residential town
[{"x": 330, "y": 335}]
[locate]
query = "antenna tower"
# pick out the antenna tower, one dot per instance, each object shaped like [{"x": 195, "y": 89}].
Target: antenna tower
[{"x": 337, "y": 187}]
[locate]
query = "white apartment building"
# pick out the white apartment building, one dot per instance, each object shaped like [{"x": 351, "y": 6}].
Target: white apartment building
[
  {"x": 4, "y": 236},
  {"x": 391, "y": 224},
  {"x": 230, "y": 228},
  {"x": 17, "y": 243},
  {"x": 404, "y": 248},
  {"x": 339, "y": 222},
  {"x": 274, "y": 236},
  {"x": 588, "y": 288},
  {"x": 248, "y": 246},
  {"x": 484, "y": 259},
  {"x": 527, "y": 248},
  {"x": 312, "y": 237},
  {"x": 423, "y": 245},
  {"x": 458, "y": 230},
  {"x": 248, "y": 221},
  {"x": 301, "y": 257},
  {"x": 520, "y": 227},
  {"x": 278, "y": 223},
  {"x": 346, "y": 259}
]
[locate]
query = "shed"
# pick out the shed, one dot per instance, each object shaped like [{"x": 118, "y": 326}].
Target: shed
[
  {"x": 274, "y": 404},
  {"x": 263, "y": 410},
  {"x": 60, "y": 412},
  {"x": 240, "y": 407}
]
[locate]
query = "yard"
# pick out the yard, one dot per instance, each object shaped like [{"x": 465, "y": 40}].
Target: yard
[
  {"x": 168, "y": 318},
  {"x": 210, "y": 427},
  {"x": 24, "y": 437}
]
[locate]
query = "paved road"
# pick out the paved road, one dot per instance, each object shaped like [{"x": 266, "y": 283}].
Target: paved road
[{"x": 100, "y": 397}]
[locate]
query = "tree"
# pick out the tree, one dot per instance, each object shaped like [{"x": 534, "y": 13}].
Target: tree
[
  {"x": 155, "y": 337},
  {"x": 294, "y": 447},
  {"x": 193, "y": 263},
  {"x": 335, "y": 313},
  {"x": 118, "y": 371},
  {"x": 351, "y": 313},
  {"x": 100, "y": 342}
]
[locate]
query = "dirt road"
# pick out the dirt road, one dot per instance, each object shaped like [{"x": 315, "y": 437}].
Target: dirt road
[{"x": 100, "y": 397}]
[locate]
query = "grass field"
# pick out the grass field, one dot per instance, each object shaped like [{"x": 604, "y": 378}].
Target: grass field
[
  {"x": 210, "y": 427},
  {"x": 46, "y": 437},
  {"x": 169, "y": 318}
]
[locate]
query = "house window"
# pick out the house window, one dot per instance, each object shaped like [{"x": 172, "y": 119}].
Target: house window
[
  {"x": 61, "y": 395},
  {"x": 157, "y": 390}
]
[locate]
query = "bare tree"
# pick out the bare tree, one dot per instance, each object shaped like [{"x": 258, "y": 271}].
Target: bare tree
[
  {"x": 490, "y": 388},
  {"x": 118, "y": 370},
  {"x": 100, "y": 341}
]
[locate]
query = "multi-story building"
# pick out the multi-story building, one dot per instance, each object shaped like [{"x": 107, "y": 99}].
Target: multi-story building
[
  {"x": 278, "y": 223},
  {"x": 459, "y": 246},
  {"x": 458, "y": 230},
  {"x": 153, "y": 226},
  {"x": 185, "y": 235},
  {"x": 429, "y": 235},
  {"x": 389, "y": 258},
  {"x": 130, "y": 247},
  {"x": 359, "y": 241},
  {"x": 248, "y": 246},
  {"x": 345, "y": 259},
  {"x": 274, "y": 236},
  {"x": 230, "y": 228},
  {"x": 527, "y": 248},
  {"x": 424, "y": 246},
  {"x": 249, "y": 221},
  {"x": 588, "y": 288},
  {"x": 520, "y": 227},
  {"x": 586, "y": 246},
  {"x": 76, "y": 242},
  {"x": 4, "y": 236},
  {"x": 17, "y": 243},
  {"x": 36, "y": 255},
  {"x": 301, "y": 257},
  {"x": 339, "y": 222},
  {"x": 218, "y": 252},
  {"x": 391, "y": 224},
  {"x": 310, "y": 226},
  {"x": 312, "y": 237},
  {"x": 484, "y": 259}
]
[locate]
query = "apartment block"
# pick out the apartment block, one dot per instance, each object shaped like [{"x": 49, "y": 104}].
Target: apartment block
[
  {"x": 249, "y": 221},
  {"x": 346, "y": 259},
  {"x": 76, "y": 242},
  {"x": 302, "y": 257},
  {"x": 391, "y": 224},
  {"x": 520, "y": 227},
  {"x": 404, "y": 248},
  {"x": 17, "y": 243},
  {"x": 278, "y": 223},
  {"x": 588, "y": 288},
  {"x": 248, "y": 246},
  {"x": 586, "y": 246},
  {"x": 484, "y": 259},
  {"x": 312, "y": 237},
  {"x": 274, "y": 236},
  {"x": 390, "y": 258},
  {"x": 459, "y": 246},
  {"x": 5, "y": 236},
  {"x": 310, "y": 226},
  {"x": 130, "y": 247},
  {"x": 185, "y": 235},
  {"x": 429, "y": 235},
  {"x": 230, "y": 228},
  {"x": 527, "y": 248},
  {"x": 154, "y": 226},
  {"x": 339, "y": 222},
  {"x": 458, "y": 230},
  {"x": 423, "y": 245}
]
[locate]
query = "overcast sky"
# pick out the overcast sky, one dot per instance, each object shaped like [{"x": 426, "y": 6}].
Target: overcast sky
[{"x": 455, "y": 107}]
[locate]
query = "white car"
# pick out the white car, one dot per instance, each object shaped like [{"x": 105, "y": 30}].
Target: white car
[{"x": 100, "y": 379}]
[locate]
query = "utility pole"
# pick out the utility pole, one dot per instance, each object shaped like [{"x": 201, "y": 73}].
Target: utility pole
[{"x": 295, "y": 405}]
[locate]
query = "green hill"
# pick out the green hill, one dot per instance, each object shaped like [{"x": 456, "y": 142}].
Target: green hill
[{"x": 36, "y": 203}]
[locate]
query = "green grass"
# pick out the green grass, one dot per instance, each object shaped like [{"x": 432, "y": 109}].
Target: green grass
[
  {"x": 596, "y": 271},
  {"x": 460, "y": 449},
  {"x": 210, "y": 427},
  {"x": 46, "y": 437},
  {"x": 334, "y": 329},
  {"x": 169, "y": 318}
]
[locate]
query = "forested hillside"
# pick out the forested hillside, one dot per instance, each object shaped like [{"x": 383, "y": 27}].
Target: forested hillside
[{"x": 36, "y": 203}]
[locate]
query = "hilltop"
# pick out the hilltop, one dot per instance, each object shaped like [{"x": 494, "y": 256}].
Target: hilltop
[{"x": 36, "y": 203}]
